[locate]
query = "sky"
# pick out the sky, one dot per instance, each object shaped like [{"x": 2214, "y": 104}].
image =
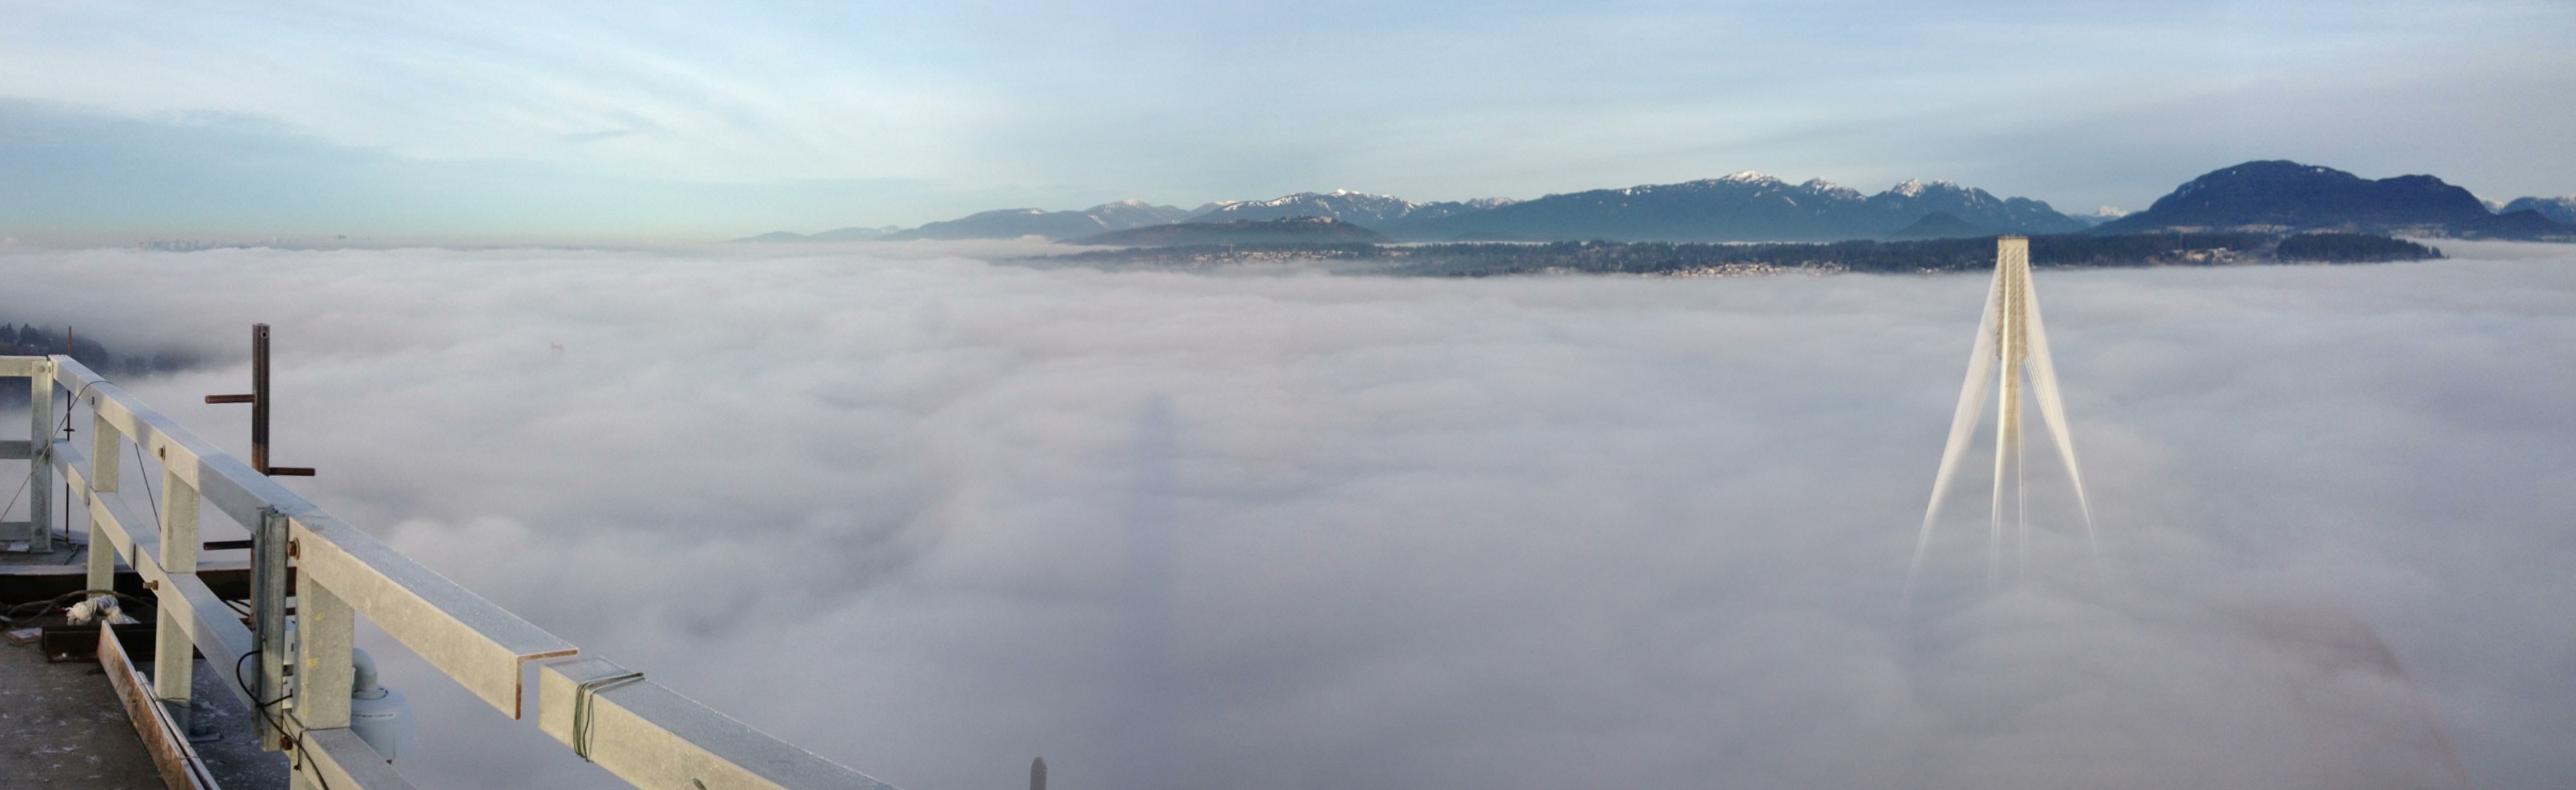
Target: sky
[
  {"x": 933, "y": 517},
  {"x": 693, "y": 121}
]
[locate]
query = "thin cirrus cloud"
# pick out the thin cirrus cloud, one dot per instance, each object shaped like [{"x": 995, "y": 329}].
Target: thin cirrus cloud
[
  {"x": 935, "y": 517},
  {"x": 970, "y": 106}
]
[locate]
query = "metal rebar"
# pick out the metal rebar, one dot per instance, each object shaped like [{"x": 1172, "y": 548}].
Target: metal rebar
[
  {"x": 259, "y": 397},
  {"x": 258, "y": 400}
]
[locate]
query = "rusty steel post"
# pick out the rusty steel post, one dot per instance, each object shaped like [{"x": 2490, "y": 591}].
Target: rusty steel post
[
  {"x": 259, "y": 397},
  {"x": 40, "y": 460},
  {"x": 258, "y": 400}
]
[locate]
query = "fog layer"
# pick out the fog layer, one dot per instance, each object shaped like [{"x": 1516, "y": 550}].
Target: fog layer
[{"x": 933, "y": 518}]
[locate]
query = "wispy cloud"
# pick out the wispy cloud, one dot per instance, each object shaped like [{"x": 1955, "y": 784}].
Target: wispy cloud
[
  {"x": 604, "y": 135},
  {"x": 1074, "y": 105}
]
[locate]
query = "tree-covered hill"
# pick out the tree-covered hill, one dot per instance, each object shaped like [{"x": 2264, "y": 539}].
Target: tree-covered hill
[{"x": 1674, "y": 258}]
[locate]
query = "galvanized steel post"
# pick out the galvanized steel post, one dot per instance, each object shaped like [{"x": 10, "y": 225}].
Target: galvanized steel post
[
  {"x": 104, "y": 442},
  {"x": 40, "y": 451},
  {"x": 268, "y": 617}
]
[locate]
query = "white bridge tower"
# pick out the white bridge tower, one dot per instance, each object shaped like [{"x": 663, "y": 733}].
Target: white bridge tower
[{"x": 2010, "y": 347}]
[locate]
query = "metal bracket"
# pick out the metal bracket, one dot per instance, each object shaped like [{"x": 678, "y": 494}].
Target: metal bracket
[
  {"x": 268, "y": 616},
  {"x": 258, "y": 400}
]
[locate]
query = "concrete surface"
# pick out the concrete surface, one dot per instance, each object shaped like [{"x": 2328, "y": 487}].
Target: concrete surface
[{"x": 62, "y": 727}]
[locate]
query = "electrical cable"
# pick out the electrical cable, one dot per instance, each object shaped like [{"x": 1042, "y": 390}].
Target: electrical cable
[
  {"x": 149, "y": 497},
  {"x": 56, "y": 603},
  {"x": 22, "y": 489},
  {"x": 585, "y": 707},
  {"x": 262, "y": 710},
  {"x": 68, "y": 406},
  {"x": 35, "y": 462}
]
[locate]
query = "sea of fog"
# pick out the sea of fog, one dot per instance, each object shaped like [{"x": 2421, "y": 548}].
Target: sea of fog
[{"x": 933, "y": 517}]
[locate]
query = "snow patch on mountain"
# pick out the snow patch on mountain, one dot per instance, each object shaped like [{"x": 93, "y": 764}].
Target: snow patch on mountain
[{"x": 1364, "y": 209}]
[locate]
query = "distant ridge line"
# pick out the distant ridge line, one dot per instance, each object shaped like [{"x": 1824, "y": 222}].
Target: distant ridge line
[{"x": 2267, "y": 196}]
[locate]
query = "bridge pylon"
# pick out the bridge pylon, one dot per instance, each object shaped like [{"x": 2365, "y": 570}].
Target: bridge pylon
[{"x": 2010, "y": 354}]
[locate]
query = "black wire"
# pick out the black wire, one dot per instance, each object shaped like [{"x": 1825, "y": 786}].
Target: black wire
[
  {"x": 140, "y": 470},
  {"x": 56, "y": 602},
  {"x": 74, "y": 402},
  {"x": 238, "y": 680},
  {"x": 262, "y": 710},
  {"x": 299, "y": 754},
  {"x": 22, "y": 488},
  {"x": 34, "y": 463},
  {"x": 154, "y": 499},
  {"x": 145, "y": 472},
  {"x": 68, "y": 406}
]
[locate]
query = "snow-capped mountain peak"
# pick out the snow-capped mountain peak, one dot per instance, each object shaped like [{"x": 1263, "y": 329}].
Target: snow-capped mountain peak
[
  {"x": 1830, "y": 189},
  {"x": 1359, "y": 208}
]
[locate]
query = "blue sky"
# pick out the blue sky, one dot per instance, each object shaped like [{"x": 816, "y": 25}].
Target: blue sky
[{"x": 681, "y": 120}]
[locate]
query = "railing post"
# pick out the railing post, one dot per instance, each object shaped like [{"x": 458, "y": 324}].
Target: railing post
[
  {"x": 40, "y": 460},
  {"x": 173, "y": 653},
  {"x": 104, "y": 462},
  {"x": 324, "y": 625},
  {"x": 102, "y": 552},
  {"x": 106, "y": 444},
  {"x": 642, "y": 731},
  {"x": 268, "y": 616}
]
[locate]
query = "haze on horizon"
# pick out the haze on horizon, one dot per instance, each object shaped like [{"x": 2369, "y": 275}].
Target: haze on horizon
[{"x": 703, "y": 120}]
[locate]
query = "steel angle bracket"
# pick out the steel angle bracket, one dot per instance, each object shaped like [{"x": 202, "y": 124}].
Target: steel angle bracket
[{"x": 651, "y": 736}]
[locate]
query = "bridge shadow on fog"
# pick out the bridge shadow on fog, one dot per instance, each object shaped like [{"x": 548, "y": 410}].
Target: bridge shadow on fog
[{"x": 1148, "y": 694}]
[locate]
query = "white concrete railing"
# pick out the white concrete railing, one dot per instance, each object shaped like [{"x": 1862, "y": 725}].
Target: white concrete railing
[{"x": 640, "y": 731}]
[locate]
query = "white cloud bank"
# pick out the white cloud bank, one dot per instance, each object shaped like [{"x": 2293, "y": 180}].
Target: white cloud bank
[{"x": 932, "y": 518}]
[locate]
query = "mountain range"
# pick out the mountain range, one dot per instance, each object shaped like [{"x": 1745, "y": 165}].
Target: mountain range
[
  {"x": 1939, "y": 225},
  {"x": 1284, "y": 230},
  {"x": 2559, "y": 209},
  {"x": 1016, "y": 222},
  {"x": 1357, "y": 208},
  {"x": 2263, "y": 196},
  {"x": 841, "y": 234},
  {"x": 2284, "y": 196},
  {"x": 1745, "y": 206}
]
